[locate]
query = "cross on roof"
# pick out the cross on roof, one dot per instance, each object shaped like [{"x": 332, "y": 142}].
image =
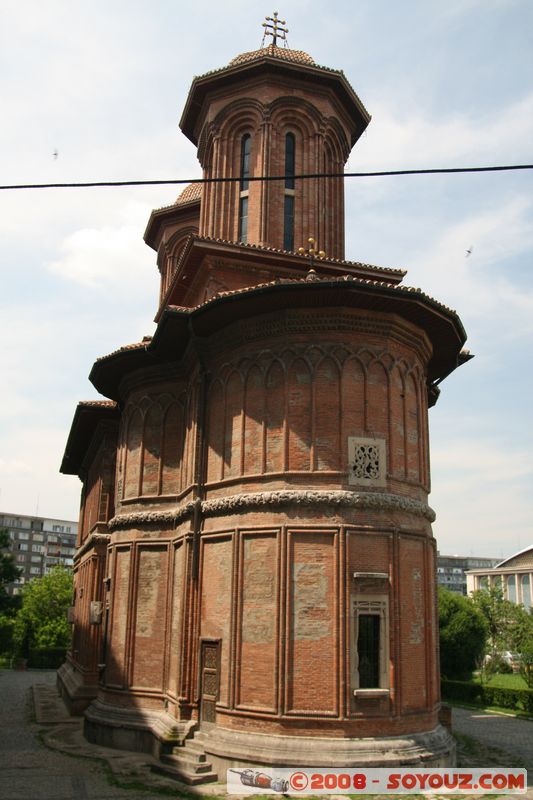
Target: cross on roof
[{"x": 274, "y": 27}]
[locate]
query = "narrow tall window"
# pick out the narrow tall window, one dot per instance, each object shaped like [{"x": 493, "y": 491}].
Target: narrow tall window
[
  {"x": 246, "y": 143},
  {"x": 511, "y": 588},
  {"x": 368, "y": 648},
  {"x": 526, "y": 592},
  {"x": 288, "y": 207},
  {"x": 290, "y": 150}
]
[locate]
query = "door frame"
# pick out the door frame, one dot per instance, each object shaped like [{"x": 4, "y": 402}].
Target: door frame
[{"x": 207, "y": 640}]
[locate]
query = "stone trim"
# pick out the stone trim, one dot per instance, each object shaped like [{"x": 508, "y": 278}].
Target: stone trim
[
  {"x": 431, "y": 748},
  {"x": 379, "y": 501},
  {"x": 92, "y": 540}
]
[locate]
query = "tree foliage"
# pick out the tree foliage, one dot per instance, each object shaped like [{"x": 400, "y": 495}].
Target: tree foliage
[
  {"x": 8, "y": 605},
  {"x": 500, "y": 615},
  {"x": 9, "y": 572},
  {"x": 510, "y": 628},
  {"x": 462, "y": 633},
  {"x": 42, "y": 619},
  {"x": 510, "y": 625}
]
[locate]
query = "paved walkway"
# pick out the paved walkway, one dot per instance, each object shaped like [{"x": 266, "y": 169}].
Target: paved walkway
[
  {"x": 37, "y": 745},
  {"x": 31, "y": 771},
  {"x": 513, "y": 736}
]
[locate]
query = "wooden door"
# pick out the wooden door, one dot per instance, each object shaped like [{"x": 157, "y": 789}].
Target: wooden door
[{"x": 209, "y": 680}]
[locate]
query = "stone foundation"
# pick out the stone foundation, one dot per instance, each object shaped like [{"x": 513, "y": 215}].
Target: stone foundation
[
  {"x": 75, "y": 692},
  {"x": 158, "y": 733},
  {"x": 133, "y": 729}
]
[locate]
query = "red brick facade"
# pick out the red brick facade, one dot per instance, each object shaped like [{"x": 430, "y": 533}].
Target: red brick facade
[{"x": 269, "y": 499}]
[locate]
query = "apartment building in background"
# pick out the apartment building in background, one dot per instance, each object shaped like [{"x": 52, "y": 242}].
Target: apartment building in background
[
  {"x": 38, "y": 544},
  {"x": 451, "y": 570}
]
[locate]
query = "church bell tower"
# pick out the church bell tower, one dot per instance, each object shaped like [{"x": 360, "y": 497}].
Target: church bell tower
[
  {"x": 274, "y": 112},
  {"x": 255, "y": 578}
]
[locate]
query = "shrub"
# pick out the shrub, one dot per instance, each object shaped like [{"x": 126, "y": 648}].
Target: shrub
[
  {"x": 7, "y": 627},
  {"x": 465, "y": 691},
  {"x": 526, "y": 667},
  {"x": 47, "y": 657},
  {"x": 42, "y": 622},
  {"x": 483, "y": 695},
  {"x": 462, "y": 632}
]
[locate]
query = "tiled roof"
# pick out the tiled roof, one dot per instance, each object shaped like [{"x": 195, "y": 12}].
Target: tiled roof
[
  {"x": 284, "y": 53},
  {"x": 191, "y": 192},
  {"x": 331, "y": 280},
  {"x": 136, "y": 346},
  {"x": 97, "y": 404},
  {"x": 267, "y": 249}
]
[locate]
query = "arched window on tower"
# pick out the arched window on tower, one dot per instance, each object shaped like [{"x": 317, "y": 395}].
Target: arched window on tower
[
  {"x": 246, "y": 144},
  {"x": 288, "y": 206}
]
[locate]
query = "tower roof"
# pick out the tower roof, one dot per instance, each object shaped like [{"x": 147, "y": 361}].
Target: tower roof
[
  {"x": 272, "y": 50},
  {"x": 191, "y": 194},
  {"x": 291, "y": 64}
]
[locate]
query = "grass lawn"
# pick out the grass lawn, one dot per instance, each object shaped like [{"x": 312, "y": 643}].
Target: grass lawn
[{"x": 512, "y": 681}]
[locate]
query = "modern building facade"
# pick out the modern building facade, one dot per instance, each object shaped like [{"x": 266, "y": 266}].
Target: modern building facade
[
  {"x": 255, "y": 575},
  {"x": 451, "y": 570},
  {"x": 514, "y": 574},
  {"x": 38, "y": 544}
]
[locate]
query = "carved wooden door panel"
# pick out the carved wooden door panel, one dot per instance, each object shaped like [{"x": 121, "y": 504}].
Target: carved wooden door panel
[{"x": 209, "y": 681}]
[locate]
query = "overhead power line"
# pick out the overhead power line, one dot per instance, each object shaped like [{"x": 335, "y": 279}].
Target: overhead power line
[{"x": 176, "y": 181}]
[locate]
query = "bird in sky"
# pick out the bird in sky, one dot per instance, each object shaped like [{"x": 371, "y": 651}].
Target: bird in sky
[
  {"x": 469, "y": 251},
  {"x": 55, "y": 154}
]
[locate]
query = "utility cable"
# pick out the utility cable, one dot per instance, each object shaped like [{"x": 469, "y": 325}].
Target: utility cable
[{"x": 172, "y": 181}]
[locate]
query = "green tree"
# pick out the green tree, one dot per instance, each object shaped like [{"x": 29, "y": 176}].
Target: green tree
[
  {"x": 42, "y": 619},
  {"x": 462, "y": 634},
  {"x": 501, "y": 617},
  {"x": 8, "y": 571},
  {"x": 8, "y": 605},
  {"x": 523, "y": 644}
]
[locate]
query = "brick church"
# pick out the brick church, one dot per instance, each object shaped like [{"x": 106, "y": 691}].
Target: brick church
[{"x": 255, "y": 572}]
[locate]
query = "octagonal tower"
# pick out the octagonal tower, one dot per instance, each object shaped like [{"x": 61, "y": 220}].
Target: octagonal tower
[{"x": 269, "y": 593}]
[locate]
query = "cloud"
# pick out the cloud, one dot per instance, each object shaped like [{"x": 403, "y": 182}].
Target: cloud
[
  {"x": 475, "y": 461},
  {"x": 482, "y": 495},
  {"x": 485, "y": 285},
  {"x": 14, "y": 467},
  {"x": 459, "y": 8},
  {"x": 488, "y": 287},
  {"x": 32, "y": 480},
  {"x": 406, "y": 138},
  {"x": 108, "y": 256}
]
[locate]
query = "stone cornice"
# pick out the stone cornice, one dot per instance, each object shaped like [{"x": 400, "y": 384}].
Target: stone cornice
[
  {"x": 93, "y": 540},
  {"x": 253, "y": 501}
]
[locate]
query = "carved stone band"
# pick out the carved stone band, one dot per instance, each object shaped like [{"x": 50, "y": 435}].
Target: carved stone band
[
  {"x": 92, "y": 540},
  {"x": 378, "y": 501}
]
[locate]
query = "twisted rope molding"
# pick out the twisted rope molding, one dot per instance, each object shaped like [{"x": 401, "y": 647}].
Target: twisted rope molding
[
  {"x": 92, "y": 540},
  {"x": 378, "y": 501}
]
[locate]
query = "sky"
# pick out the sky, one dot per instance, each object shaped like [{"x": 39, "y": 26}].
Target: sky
[{"x": 103, "y": 85}]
